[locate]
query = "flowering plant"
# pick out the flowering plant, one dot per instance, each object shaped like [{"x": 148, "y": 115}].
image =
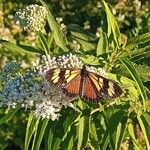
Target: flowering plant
[{"x": 76, "y": 124}]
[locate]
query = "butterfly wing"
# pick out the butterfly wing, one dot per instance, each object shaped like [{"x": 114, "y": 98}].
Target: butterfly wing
[
  {"x": 65, "y": 78},
  {"x": 105, "y": 88},
  {"x": 73, "y": 87},
  {"x": 88, "y": 90},
  {"x": 88, "y": 85}
]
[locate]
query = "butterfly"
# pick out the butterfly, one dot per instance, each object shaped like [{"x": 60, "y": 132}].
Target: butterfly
[{"x": 80, "y": 82}]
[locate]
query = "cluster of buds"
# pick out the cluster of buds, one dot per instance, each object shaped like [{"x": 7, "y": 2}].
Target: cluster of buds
[{"x": 31, "y": 18}]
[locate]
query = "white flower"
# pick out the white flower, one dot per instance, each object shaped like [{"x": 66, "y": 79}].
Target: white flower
[{"x": 32, "y": 17}]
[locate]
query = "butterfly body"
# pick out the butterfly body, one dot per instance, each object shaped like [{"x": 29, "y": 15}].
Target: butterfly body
[{"x": 80, "y": 82}]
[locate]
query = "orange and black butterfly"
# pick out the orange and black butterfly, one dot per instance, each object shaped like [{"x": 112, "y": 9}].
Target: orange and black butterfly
[{"x": 80, "y": 82}]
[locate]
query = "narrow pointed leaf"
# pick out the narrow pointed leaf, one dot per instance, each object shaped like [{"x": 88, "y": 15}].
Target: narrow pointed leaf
[
  {"x": 35, "y": 132},
  {"x": 111, "y": 128},
  {"x": 41, "y": 131},
  {"x": 121, "y": 129},
  {"x": 145, "y": 117},
  {"x": 131, "y": 132},
  {"x": 102, "y": 46},
  {"x": 143, "y": 128},
  {"x": 50, "y": 134},
  {"x": 21, "y": 48},
  {"x": 32, "y": 123},
  {"x": 70, "y": 140},
  {"x": 136, "y": 78},
  {"x": 133, "y": 42},
  {"x": 83, "y": 132},
  {"x": 59, "y": 37},
  {"x": 93, "y": 137},
  {"x": 43, "y": 42},
  {"x": 112, "y": 24},
  {"x": 8, "y": 116}
]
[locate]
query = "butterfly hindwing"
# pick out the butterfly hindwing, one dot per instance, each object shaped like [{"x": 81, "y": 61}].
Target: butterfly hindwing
[
  {"x": 88, "y": 90},
  {"x": 73, "y": 87}
]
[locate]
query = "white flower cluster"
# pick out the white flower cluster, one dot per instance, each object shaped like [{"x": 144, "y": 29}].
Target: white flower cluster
[
  {"x": 63, "y": 27},
  {"x": 99, "y": 71},
  {"x": 51, "y": 102},
  {"x": 31, "y": 18},
  {"x": 64, "y": 61},
  {"x": 32, "y": 90}
]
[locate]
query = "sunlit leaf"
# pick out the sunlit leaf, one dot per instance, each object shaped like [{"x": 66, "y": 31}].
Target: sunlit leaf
[
  {"x": 143, "y": 128},
  {"x": 131, "y": 132},
  {"x": 136, "y": 77},
  {"x": 112, "y": 24},
  {"x": 21, "y": 48},
  {"x": 102, "y": 46},
  {"x": 59, "y": 37}
]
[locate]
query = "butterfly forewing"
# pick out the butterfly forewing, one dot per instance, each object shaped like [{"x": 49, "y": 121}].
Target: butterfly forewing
[
  {"x": 52, "y": 76},
  {"x": 60, "y": 76}
]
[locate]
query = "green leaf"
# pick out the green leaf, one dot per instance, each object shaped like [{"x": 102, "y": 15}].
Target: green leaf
[
  {"x": 70, "y": 140},
  {"x": 83, "y": 126},
  {"x": 89, "y": 59},
  {"x": 121, "y": 129},
  {"x": 113, "y": 28},
  {"x": 87, "y": 40},
  {"x": 70, "y": 119},
  {"x": 61, "y": 127},
  {"x": 134, "y": 42},
  {"x": 143, "y": 71},
  {"x": 56, "y": 142},
  {"x": 40, "y": 133},
  {"x": 131, "y": 132},
  {"x": 43, "y": 42},
  {"x": 143, "y": 128},
  {"x": 111, "y": 128},
  {"x": 94, "y": 143},
  {"x": 31, "y": 126},
  {"x": 145, "y": 117},
  {"x": 137, "y": 52},
  {"x": 49, "y": 134},
  {"x": 83, "y": 132},
  {"x": 50, "y": 40},
  {"x": 35, "y": 132},
  {"x": 8, "y": 116},
  {"x": 80, "y": 33},
  {"x": 20, "y": 48},
  {"x": 136, "y": 78},
  {"x": 102, "y": 46},
  {"x": 59, "y": 37},
  {"x": 126, "y": 84}
]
